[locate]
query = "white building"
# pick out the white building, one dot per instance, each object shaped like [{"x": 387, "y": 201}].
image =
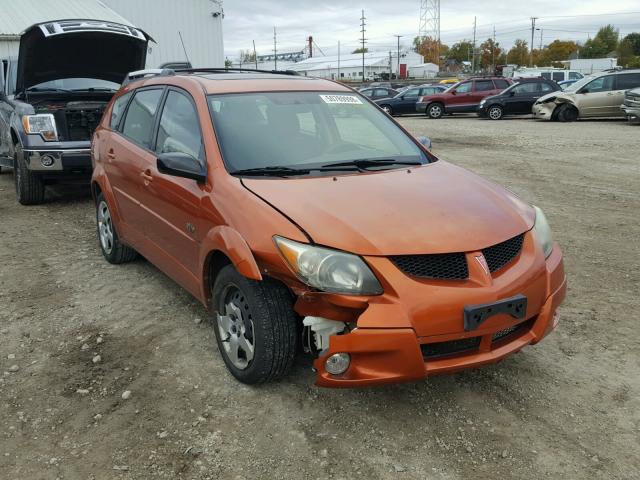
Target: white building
[
  {"x": 198, "y": 21},
  {"x": 424, "y": 70},
  {"x": 349, "y": 66}
]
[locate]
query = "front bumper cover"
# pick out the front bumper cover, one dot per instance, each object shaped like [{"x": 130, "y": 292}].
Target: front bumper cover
[
  {"x": 394, "y": 355},
  {"x": 62, "y": 161}
]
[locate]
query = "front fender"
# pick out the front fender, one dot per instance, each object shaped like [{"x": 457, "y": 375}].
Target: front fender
[{"x": 228, "y": 241}]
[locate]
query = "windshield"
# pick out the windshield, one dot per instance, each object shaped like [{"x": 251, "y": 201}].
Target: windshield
[
  {"x": 76, "y": 84},
  {"x": 305, "y": 130},
  {"x": 579, "y": 84}
]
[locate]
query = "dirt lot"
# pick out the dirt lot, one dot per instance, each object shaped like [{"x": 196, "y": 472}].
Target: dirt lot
[{"x": 567, "y": 408}]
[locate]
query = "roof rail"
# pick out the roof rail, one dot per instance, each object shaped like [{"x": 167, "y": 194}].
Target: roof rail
[{"x": 151, "y": 72}]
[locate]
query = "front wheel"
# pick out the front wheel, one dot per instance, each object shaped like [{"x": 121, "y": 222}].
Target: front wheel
[
  {"x": 567, "y": 113},
  {"x": 435, "y": 110},
  {"x": 495, "y": 112},
  {"x": 387, "y": 109},
  {"x": 255, "y": 326},
  {"x": 29, "y": 186}
]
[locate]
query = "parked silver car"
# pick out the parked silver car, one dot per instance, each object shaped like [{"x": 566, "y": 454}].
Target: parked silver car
[{"x": 631, "y": 105}]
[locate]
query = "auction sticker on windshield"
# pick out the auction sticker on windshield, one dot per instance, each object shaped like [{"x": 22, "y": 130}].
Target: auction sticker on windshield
[{"x": 344, "y": 99}]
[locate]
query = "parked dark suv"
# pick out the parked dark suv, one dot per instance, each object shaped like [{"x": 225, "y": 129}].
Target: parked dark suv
[
  {"x": 53, "y": 96},
  {"x": 463, "y": 97},
  {"x": 405, "y": 102},
  {"x": 517, "y": 99}
]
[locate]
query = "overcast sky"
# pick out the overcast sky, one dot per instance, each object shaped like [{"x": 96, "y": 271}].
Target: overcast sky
[{"x": 330, "y": 21}]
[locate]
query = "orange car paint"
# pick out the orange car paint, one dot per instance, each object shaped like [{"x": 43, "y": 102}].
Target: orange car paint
[{"x": 238, "y": 218}]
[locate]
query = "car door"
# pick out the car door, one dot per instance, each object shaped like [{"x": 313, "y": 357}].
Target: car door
[
  {"x": 481, "y": 89},
  {"x": 596, "y": 98},
  {"x": 460, "y": 97},
  {"x": 129, "y": 155},
  {"x": 524, "y": 95},
  {"x": 172, "y": 204},
  {"x": 407, "y": 101}
]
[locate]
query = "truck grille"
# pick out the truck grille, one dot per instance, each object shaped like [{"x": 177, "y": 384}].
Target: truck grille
[
  {"x": 502, "y": 253},
  {"x": 448, "y": 266}
]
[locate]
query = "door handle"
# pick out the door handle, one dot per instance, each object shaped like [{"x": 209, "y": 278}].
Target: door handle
[{"x": 146, "y": 176}]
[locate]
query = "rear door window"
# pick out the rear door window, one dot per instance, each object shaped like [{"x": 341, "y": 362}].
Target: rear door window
[
  {"x": 627, "y": 81},
  {"x": 526, "y": 88},
  {"x": 412, "y": 93},
  {"x": 138, "y": 124},
  {"x": 119, "y": 107},
  {"x": 483, "y": 85},
  {"x": 179, "y": 129}
]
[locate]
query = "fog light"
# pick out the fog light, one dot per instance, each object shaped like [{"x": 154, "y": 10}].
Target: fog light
[
  {"x": 337, "y": 363},
  {"x": 47, "y": 161}
]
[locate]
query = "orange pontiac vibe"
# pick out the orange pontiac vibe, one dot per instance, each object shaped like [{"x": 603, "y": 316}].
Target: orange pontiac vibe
[{"x": 306, "y": 219}]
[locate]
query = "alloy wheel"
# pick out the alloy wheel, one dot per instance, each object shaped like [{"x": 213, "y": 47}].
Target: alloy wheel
[
  {"x": 495, "y": 113},
  {"x": 236, "y": 329},
  {"x": 105, "y": 227}
]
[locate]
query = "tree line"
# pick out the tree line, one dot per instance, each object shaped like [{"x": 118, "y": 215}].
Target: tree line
[{"x": 606, "y": 42}]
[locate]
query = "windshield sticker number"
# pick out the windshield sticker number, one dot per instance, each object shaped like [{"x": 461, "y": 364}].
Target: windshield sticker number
[{"x": 341, "y": 99}]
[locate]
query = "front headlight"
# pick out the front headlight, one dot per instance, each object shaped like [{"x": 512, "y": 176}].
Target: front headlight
[
  {"x": 543, "y": 232},
  {"x": 43, "y": 123},
  {"x": 483, "y": 102},
  {"x": 329, "y": 270}
]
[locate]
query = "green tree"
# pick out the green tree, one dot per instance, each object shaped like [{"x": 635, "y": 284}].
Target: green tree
[
  {"x": 633, "y": 39},
  {"x": 605, "y": 42},
  {"x": 559, "y": 50},
  {"x": 519, "y": 53},
  {"x": 489, "y": 53},
  {"x": 228, "y": 63},
  {"x": 460, "y": 51},
  {"x": 431, "y": 49}
]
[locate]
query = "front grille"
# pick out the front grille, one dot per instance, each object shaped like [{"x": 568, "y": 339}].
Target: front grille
[
  {"x": 516, "y": 329},
  {"x": 501, "y": 254},
  {"x": 439, "y": 349},
  {"x": 448, "y": 266}
]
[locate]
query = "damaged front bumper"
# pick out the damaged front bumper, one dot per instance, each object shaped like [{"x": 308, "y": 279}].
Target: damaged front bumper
[
  {"x": 403, "y": 352},
  {"x": 544, "y": 111}
]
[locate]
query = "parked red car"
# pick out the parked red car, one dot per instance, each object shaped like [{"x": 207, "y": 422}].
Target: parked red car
[{"x": 463, "y": 97}]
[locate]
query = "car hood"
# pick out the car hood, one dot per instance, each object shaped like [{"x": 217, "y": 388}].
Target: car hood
[
  {"x": 79, "y": 49},
  {"x": 436, "y": 208}
]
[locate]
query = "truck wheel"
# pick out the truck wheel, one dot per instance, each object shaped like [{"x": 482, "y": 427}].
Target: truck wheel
[
  {"x": 29, "y": 187},
  {"x": 435, "y": 110},
  {"x": 255, "y": 326},
  {"x": 113, "y": 250},
  {"x": 495, "y": 112},
  {"x": 567, "y": 113}
]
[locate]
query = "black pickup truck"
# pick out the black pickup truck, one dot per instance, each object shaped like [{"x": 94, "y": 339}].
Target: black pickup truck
[{"x": 53, "y": 95}]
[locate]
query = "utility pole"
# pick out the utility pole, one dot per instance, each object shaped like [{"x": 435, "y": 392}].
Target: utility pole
[
  {"x": 310, "y": 39},
  {"x": 398, "y": 59},
  {"x": 390, "y": 66},
  {"x": 493, "y": 52},
  {"x": 338, "y": 59},
  {"x": 473, "y": 58},
  {"x": 533, "y": 30},
  {"x": 541, "y": 34},
  {"x": 255, "y": 55},
  {"x": 362, "y": 25},
  {"x": 275, "y": 50}
]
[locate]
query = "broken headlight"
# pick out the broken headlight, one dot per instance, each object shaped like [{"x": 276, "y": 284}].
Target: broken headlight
[
  {"x": 43, "y": 124},
  {"x": 543, "y": 232},
  {"x": 329, "y": 270}
]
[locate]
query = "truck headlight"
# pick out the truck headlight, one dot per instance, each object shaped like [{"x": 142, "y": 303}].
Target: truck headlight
[
  {"x": 329, "y": 270},
  {"x": 43, "y": 124},
  {"x": 543, "y": 232}
]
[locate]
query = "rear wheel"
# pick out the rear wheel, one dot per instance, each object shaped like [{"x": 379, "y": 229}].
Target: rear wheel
[
  {"x": 255, "y": 326},
  {"x": 29, "y": 187},
  {"x": 435, "y": 110},
  {"x": 567, "y": 113},
  {"x": 495, "y": 112},
  {"x": 113, "y": 250}
]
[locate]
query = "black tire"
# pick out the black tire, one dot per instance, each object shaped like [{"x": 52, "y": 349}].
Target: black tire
[
  {"x": 435, "y": 110},
  {"x": 567, "y": 113},
  {"x": 387, "y": 109},
  {"x": 270, "y": 319},
  {"x": 495, "y": 112},
  {"x": 29, "y": 186},
  {"x": 115, "y": 252}
]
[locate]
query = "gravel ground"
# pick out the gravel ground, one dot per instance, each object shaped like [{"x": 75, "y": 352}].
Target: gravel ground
[{"x": 110, "y": 371}]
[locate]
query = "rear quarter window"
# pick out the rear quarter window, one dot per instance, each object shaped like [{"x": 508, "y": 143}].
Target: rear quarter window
[{"x": 119, "y": 107}]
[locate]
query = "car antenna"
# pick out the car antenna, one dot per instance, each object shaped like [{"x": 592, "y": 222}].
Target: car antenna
[{"x": 183, "y": 48}]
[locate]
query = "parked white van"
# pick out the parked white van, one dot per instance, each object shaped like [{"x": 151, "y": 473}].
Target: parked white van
[{"x": 555, "y": 74}]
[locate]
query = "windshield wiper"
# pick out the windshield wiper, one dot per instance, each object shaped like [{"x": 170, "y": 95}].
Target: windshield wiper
[
  {"x": 365, "y": 163},
  {"x": 278, "y": 171},
  {"x": 47, "y": 89},
  {"x": 93, "y": 89}
]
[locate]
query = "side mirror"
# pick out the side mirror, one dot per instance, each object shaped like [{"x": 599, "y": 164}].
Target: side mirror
[
  {"x": 453, "y": 92},
  {"x": 180, "y": 164},
  {"x": 424, "y": 141},
  {"x": 584, "y": 90},
  {"x": 512, "y": 93}
]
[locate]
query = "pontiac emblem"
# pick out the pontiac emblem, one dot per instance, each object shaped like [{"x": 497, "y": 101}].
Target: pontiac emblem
[{"x": 483, "y": 263}]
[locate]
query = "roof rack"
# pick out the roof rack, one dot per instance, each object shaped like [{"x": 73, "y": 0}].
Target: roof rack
[{"x": 166, "y": 72}]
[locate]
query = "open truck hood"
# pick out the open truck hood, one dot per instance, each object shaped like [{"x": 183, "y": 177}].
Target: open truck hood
[{"x": 79, "y": 49}]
